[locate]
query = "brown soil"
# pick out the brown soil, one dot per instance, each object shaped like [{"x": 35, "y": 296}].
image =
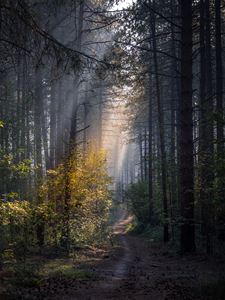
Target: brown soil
[
  {"x": 140, "y": 270},
  {"x": 134, "y": 269}
]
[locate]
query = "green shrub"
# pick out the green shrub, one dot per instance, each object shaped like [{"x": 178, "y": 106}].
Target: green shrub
[{"x": 137, "y": 196}]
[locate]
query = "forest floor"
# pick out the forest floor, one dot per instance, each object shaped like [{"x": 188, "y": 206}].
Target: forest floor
[{"x": 133, "y": 268}]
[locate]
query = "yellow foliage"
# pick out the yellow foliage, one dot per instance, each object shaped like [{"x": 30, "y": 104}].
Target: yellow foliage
[
  {"x": 17, "y": 212},
  {"x": 90, "y": 196},
  {"x": 88, "y": 178},
  {"x": 88, "y": 205}
]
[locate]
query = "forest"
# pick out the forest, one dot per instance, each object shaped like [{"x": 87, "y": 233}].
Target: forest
[{"x": 112, "y": 149}]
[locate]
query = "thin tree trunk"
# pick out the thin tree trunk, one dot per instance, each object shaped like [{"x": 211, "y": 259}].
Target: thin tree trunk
[
  {"x": 45, "y": 137},
  {"x": 161, "y": 137},
  {"x": 220, "y": 118},
  {"x": 150, "y": 156},
  {"x": 141, "y": 154},
  {"x": 173, "y": 119},
  {"x": 38, "y": 144},
  {"x": 145, "y": 154},
  {"x": 100, "y": 114},
  {"x": 219, "y": 80},
  {"x": 52, "y": 158}
]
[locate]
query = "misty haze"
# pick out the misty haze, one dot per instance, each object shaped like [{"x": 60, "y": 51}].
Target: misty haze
[{"x": 112, "y": 149}]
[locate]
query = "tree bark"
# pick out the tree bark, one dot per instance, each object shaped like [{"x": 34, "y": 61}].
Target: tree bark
[
  {"x": 53, "y": 127},
  {"x": 186, "y": 132},
  {"x": 219, "y": 80},
  {"x": 150, "y": 155},
  {"x": 38, "y": 144},
  {"x": 161, "y": 137},
  {"x": 206, "y": 126}
]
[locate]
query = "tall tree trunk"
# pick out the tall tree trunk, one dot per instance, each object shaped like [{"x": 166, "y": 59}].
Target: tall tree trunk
[
  {"x": 186, "y": 132},
  {"x": 86, "y": 112},
  {"x": 100, "y": 114},
  {"x": 206, "y": 127},
  {"x": 150, "y": 156},
  {"x": 38, "y": 144},
  {"x": 219, "y": 80},
  {"x": 145, "y": 155},
  {"x": 60, "y": 138},
  {"x": 220, "y": 118},
  {"x": 161, "y": 137},
  {"x": 45, "y": 136},
  {"x": 210, "y": 131},
  {"x": 173, "y": 120},
  {"x": 53, "y": 127},
  {"x": 141, "y": 154}
]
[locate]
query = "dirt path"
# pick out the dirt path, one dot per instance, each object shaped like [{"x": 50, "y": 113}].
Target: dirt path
[
  {"x": 139, "y": 270},
  {"x": 111, "y": 272},
  {"x": 120, "y": 271},
  {"x": 134, "y": 269}
]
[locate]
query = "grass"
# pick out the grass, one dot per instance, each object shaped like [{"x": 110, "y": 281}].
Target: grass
[
  {"x": 34, "y": 275},
  {"x": 64, "y": 269}
]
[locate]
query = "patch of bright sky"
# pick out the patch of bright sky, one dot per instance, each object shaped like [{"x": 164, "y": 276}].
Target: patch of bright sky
[{"x": 123, "y": 4}]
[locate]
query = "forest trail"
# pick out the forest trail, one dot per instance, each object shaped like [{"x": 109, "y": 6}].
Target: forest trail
[
  {"x": 137, "y": 269},
  {"x": 133, "y": 267},
  {"x": 113, "y": 271},
  {"x": 119, "y": 230}
]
